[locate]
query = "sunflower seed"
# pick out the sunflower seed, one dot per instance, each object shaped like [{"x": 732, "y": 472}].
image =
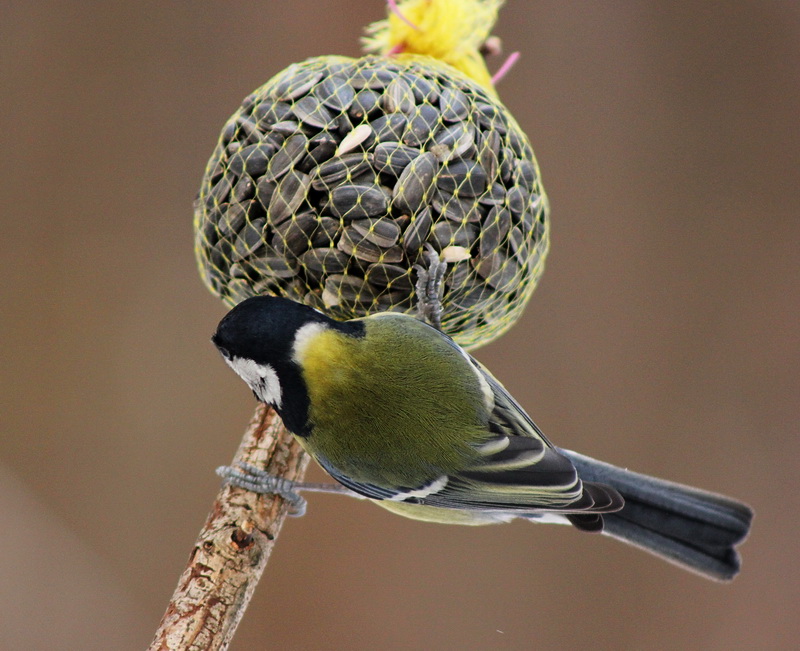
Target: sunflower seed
[
  {"x": 288, "y": 195},
  {"x": 392, "y": 254},
  {"x": 248, "y": 103},
  {"x": 402, "y": 221},
  {"x": 244, "y": 189},
  {"x": 353, "y": 139},
  {"x": 488, "y": 154},
  {"x": 285, "y": 128},
  {"x": 366, "y": 177},
  {"x": 219, "y": 193},
  {"x": 456, "y": 209},
  {"x": 421, "y": 126},
  {"x": 236, "y": 162},
  {"x": 507, "y": 161},
  {"x": 313, "y": 298},
  {"x": 539, "y": 231},
  {"x": 455, "y": 254},
  {"x": 336, "y": 93},
  {"x": 275, "y": 266},
  {"x": 394, "y": 301},
  {"x": 247, "y": 130},
  {"x": 326, "y": 232},
  {"x": 264, "y": 191},
  {"x": 364, "y": 103},
  {"x": 292, "y": 151},
  {"x": 490, "y": 118},
  {"x": 324, "y": 260},
  {"x": 462, "y": 178},
  {"x": 393, "y": 157},
  {"x": 398, "y": 97},
  {"x": 275, "y": 140},
  {"x": 318, "y": 154},
  {"x": 312, "y": 112},
  {"x": 412, "y": 187},
  {"x": 237, "y": 270},
  {"x": 232, "y": 220},
  {"x": 228, "y": 132},
  {"x": 453, "y": 105},
  {"x": 355, "y": 244},
  {"x": 537, "y": 204},
  {"x": 293, "y": 236},
  {"x": 516, "y": 241},
  {"x": 454, "y": 141},
  {"x": 346, "y": 289},
  {"x": 517, "y": 200},
  {"x": 450, "y": 234},
  {"x": 457, "y": 274},
  {"x": 271, "y": 286},
  {"x": 221, "y": 255},
  {"x": 389, "y": 127},
  {"x": 250, "y": 239},
  {"x": 495, "y": 195},
  {"x": 518, "y": 145},
  {"x": 268, "y": 113},
  {"x": 256, "y": 158},
  {"x": 238, "y": 290},
  {"x": 358, "y": 201},
  {"x": 389, "y": 275},
  {"x": 417, "y": 232},
  {"x": 343, "y": 125},
  {"x": 209, "y": 230},
  {"x": 295, "y": 83},
  {"x": 372, "y": 78},
  {"x": 496, "y": 270},
  {"x": 472, "y": 294},
  {"x": 524, "y": 174},
  {"x": 216, "y": 172},
  {"x": 423, "y": 89},
  {"x": 494, "y": 231},
  {"x": 337, "y": 168},
  {"x": 383, "y": 231}
]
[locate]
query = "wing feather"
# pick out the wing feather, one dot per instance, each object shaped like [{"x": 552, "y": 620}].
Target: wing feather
[{"x": 516, "y": 469}]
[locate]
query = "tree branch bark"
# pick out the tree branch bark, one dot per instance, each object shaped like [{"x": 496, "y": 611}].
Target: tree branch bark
[{"x": 233, "y": 547}]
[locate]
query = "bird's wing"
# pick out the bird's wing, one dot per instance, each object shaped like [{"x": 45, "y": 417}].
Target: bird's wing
[{"x": 516, "y": 469}]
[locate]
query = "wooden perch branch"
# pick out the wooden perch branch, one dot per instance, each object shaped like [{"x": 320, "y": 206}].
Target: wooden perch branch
[{"x": 233, "y": 547}]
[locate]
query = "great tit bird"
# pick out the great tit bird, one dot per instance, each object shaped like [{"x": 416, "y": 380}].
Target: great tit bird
[{"x": 397, "y": 412}]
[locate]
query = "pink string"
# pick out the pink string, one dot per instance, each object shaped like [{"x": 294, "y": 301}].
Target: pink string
[
  {"x": 396, "y": 11},
  {"x": 503, "y": 71}
]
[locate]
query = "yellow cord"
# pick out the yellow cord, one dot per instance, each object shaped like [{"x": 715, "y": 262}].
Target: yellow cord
[{"x": 452, "y": 31}]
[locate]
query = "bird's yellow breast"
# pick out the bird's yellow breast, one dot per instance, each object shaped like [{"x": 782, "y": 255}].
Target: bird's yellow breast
[{"x": 396, "y": 407}]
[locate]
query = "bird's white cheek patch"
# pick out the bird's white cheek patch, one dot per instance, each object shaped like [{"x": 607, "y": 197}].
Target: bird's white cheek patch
[
  {"x": 303, "y": 337},
  {"x": 261, "y": 378}
]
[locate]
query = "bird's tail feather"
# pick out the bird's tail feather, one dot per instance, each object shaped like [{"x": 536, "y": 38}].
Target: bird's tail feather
[{"x": 687, "y": 526}]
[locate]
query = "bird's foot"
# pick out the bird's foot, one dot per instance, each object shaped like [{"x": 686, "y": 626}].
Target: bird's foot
[
  {"x": 249, "y": 477},
  {"x": 429, "y": 287}
]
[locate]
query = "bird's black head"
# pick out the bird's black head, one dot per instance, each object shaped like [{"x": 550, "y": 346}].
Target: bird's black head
[
  {"x": 263, "y": 328},
  {"x": 257, "y": 339}
]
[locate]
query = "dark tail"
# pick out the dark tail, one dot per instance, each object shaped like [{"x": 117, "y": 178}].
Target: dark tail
[{"x": 693, "y": 528}]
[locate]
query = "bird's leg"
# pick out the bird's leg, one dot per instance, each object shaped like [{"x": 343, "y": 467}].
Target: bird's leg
[
  {"x": 247, "y": 476},
  {"x": 429, "y": 287}
]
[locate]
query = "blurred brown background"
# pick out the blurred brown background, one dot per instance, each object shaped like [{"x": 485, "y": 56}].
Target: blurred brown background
[{"x": 664, "y": 335}]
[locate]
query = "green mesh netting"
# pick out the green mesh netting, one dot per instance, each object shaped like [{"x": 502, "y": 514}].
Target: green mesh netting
[{"x": 330, "y": 179}]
